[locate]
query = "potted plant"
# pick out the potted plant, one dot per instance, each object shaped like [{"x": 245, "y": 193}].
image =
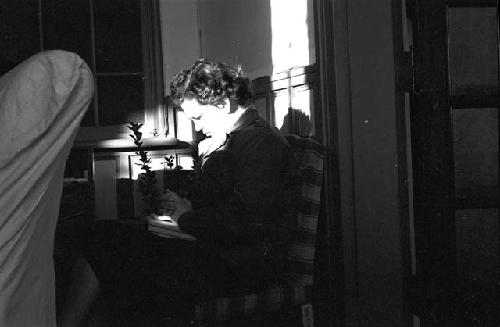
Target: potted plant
[
  {"x": 148, "y": 186},
  {"x": 175, "y": 177}
]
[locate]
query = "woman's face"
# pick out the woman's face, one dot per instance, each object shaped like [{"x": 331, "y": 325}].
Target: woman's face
[{"x": 208, "y": 119}]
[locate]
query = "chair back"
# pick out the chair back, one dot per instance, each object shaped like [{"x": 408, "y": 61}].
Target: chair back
[{"x": 310, "y": 156}]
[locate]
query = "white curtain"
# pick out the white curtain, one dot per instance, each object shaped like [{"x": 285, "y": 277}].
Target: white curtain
[{"x": 42, "y": 102}]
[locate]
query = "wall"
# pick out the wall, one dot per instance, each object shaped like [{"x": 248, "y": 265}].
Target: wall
[
  {"x": 180, "y": 36},
  {"x": 368, "y": 159},
  {"x": 234, "y": 31},
  {"x": 237, "y": 32}
]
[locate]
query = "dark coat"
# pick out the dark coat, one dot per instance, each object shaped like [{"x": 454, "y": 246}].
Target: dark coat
[{"x": 242, "y": 204}]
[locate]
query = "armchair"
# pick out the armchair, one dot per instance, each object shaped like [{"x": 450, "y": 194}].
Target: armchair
[{"x": 297, "y": 291}]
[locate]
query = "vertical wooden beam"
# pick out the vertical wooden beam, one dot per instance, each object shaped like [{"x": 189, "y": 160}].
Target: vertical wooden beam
[
  {"x": 40, "y": 24},
  {"x": 93, "y": 64},
  {"x": 404, "y": 82},
  {"x": 105, "y": 189},
  {"x": 433, "y": 166},
  {"x": 335, "y": 206},
  {"x": 156, "y": 110}
]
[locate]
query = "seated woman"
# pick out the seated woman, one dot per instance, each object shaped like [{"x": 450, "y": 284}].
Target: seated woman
[{"x": 240, "y": 210}]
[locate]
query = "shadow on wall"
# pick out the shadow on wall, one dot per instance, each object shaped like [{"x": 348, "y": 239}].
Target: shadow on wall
[{"x": 296, "y": 122}]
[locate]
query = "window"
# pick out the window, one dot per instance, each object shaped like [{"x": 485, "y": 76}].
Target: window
[
  {"x": 272, "y": 40},
  {"x": 473, "y": 48},
  {"x": 292, "y": 25},
  {"x": 119, "y": 40},
  {"x": 288, "y": 100},
  {"x": 473, "y": 91}
]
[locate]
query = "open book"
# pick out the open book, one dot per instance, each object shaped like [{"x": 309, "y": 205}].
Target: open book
[{"x": 165, "y": 227}]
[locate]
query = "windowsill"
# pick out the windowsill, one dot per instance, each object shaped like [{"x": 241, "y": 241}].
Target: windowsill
[
  {"x": 125, "y": 144},
  {"x": 75, "y": 180},
  {"x": 95, "y": 134},
  {"x": 118, "y": 138}
]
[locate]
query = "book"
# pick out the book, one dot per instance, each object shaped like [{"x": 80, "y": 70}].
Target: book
[{"x": 168, "y": 228}]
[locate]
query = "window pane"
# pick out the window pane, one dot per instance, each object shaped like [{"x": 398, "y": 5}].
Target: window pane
[
  {"x": 472, "y": 50},
  {"x": 302, "y": 113},
  {"x": 280, "y": 106},
  {"x": 120, "y": 99},
  {"x": 77, "y": 164},
  {"x": 475, "y": 134},
  {"x": 118, "y": 36},
  {"x": 20, "y": 40},
  {"x": 88, "y": 119},
  {"x": 292, "y": 24},
  {"x": 66, "y": 26}
]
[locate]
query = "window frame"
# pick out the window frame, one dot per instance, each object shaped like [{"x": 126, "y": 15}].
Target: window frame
[
  {"x": 156, "y": 124},
  {"x": 289, "y": 82}
]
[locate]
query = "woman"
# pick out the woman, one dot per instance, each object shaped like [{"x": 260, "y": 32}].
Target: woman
[{"x": 240, "y": 210}]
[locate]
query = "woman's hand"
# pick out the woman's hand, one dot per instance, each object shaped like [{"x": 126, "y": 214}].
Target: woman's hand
[{"x": 178, "y": 204}]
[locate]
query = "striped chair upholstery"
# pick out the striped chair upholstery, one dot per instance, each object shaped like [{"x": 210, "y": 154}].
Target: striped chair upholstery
[{"x": 296, "y": 291}]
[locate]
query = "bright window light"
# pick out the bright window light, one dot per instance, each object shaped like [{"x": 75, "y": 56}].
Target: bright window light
[
  {"x": 302, "y": 102},
  {"x": 157, "y": 163},
  {"x": 280, "y": 108},
  {"x": 290, "y": 34}
]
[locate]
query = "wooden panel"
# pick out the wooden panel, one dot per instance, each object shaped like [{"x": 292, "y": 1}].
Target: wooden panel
[
  {"x": 432, "y": 154},
  {"x": 471, "y": 3},
  {"x": 475, "y": 145},
  {"x": 472, "y": 49},
  {"x": 105, "y": 189}
]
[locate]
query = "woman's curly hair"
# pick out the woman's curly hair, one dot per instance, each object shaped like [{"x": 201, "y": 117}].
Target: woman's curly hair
[{"x": 211, "y": 83}]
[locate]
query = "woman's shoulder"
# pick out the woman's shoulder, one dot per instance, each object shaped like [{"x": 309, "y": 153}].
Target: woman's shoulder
[{"x": 259, "y": 139}]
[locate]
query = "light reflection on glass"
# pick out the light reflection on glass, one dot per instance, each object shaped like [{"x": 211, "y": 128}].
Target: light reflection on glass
[
  {"x": 302, "y": 101},
  {"x": 280, "y": 103},
  {"x": 157, "y": 164},
  {"x": 290, "y": 34}
]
